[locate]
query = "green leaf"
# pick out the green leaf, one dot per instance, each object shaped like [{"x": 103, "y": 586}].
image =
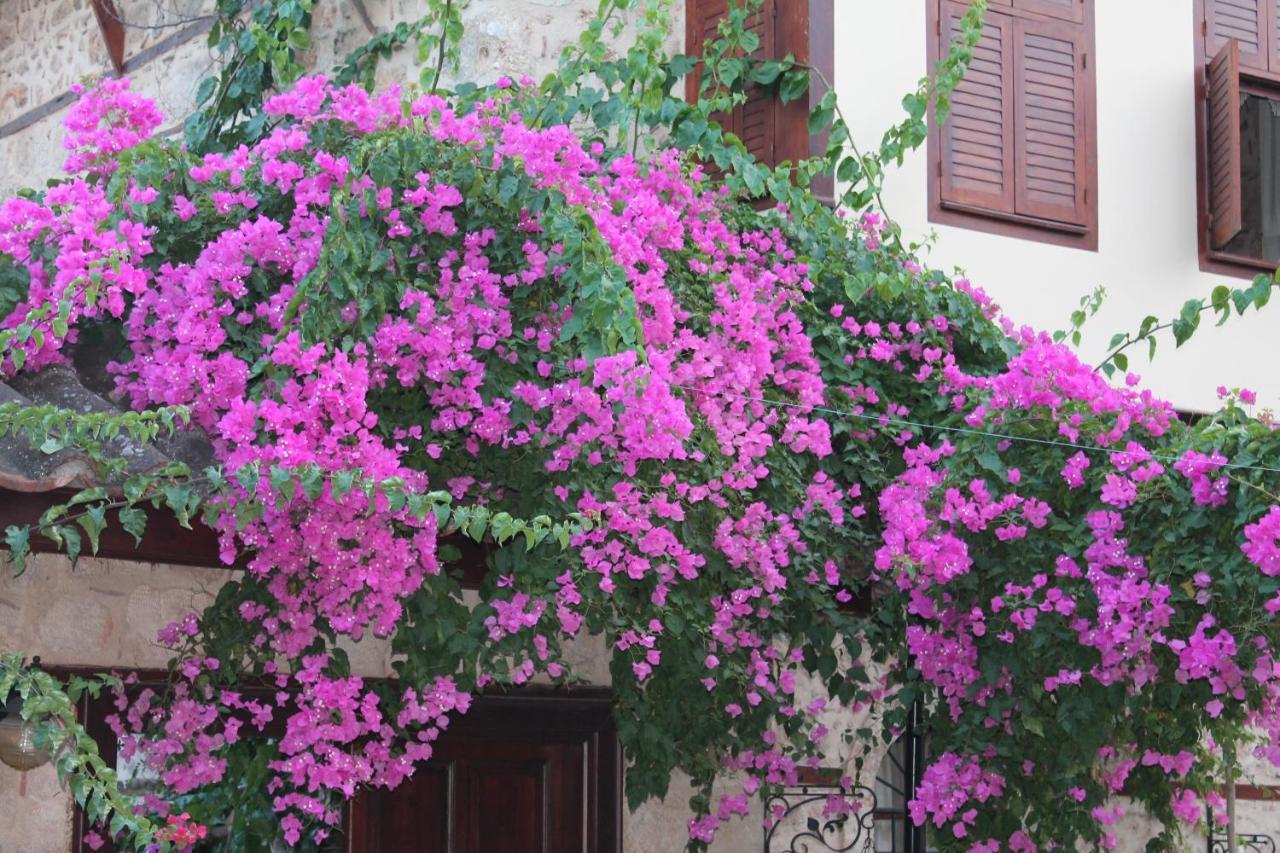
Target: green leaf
[
  {"x": 93, "y": 521},
  {"x": 178, "y": 498},
  {"x": 282, "y": 482},
  {"x": 476, "y": 528},
  {"x": 87, "y": 496},
  {"x": 507, "y": 188},
  {"x": 1221, "y": 301},
  {"x": 17, "y": 539},
  {"x": 134, "y": 521},
  {"x": 71, "y": 542},
  {"x": 312, "y": 480},
  {"x": 1188, "y": 321}
]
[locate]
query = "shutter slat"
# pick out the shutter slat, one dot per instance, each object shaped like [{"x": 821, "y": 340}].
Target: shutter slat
[
  {"x": 981, "y": 141},
  {"x": 1226, "y": 210},
  {"x": 1066, "y": 10},
  {"x": 1049, "y": 148},
  {"x": 979, "y": 161},
  {"x": 976, "y": 140},
  {"x": 1050, "y": 108},
  {"x": 1247, "y": 21}
]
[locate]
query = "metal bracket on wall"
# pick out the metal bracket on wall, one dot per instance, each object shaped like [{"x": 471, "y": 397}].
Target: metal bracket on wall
[
  {"x": 802, "y": 818},
  {"x": 1245, "y": 843},
  {"x": 112, "y": 32}
]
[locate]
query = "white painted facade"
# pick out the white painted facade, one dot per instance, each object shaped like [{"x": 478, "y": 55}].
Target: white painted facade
[{"x": 1146, "y": 190}]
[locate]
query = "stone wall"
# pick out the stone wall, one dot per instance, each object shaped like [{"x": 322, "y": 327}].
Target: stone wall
[
  {"x": 106, "y": 614},
  {"x": 47, "y": 45}
]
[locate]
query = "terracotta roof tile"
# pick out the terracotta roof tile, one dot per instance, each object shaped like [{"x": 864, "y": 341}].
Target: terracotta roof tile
[{"x": 24, "y": 468}]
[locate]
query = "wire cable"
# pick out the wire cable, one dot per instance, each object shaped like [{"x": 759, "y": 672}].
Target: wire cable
[{"x": 884, "y": 420}]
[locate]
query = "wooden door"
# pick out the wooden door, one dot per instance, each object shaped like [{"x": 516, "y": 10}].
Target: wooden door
[
  {"x": 533, "y": 772},
  {"x": 514, "y": 774}
]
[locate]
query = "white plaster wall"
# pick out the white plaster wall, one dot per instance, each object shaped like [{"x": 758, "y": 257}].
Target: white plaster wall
[{"x": 1146, "y": 193}]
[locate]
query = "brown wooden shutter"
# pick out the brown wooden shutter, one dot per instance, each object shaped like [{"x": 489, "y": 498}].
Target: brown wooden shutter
[
  {"x": 802, "y": 28},
  {"x": 1223, "y": 124},
  {"x": 977, "y": 146},
  {"x": 755, "y": 121},
  {"x": 1050, "y": 120},
  {"x": 1247, "y": 21}
]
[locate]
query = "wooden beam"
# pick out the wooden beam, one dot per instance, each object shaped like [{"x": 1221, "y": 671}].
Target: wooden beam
[
  {"x": 112, "y": 32},
  {"x": 166, "y": 541},
  {"x": 1269, "y": 793}
]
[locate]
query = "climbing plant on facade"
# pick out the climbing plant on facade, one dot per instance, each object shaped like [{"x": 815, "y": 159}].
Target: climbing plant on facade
[{"x": 695, "y": 424}]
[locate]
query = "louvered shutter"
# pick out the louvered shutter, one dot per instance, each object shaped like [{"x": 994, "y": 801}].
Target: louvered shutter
[
  {"x": 1249, "y": 22},
  {"x": 757, "y": 116},
  {"x": 1223, "y": 122},
  {"x": 1067, "y": 10},
  {"x": 1050, "y": 120},
  {"x": 977, "y": 137},
  {"x": 755, "y": 121}
]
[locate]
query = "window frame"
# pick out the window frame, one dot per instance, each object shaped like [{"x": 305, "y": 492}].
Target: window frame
[
  {"x": 1007, "y": 223},
  {"x": 1253, "y": 81}
]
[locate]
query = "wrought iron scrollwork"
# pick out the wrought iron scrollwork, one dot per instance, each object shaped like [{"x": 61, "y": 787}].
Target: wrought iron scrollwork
[
  {"x": 1245, "y": 843},
  {"x": 801, "y": 822}
]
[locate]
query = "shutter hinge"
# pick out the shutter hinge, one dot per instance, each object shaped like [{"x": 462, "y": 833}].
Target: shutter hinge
[
  {"x": 1084, "y": 61},
  {"x": 939, "y": 168}
]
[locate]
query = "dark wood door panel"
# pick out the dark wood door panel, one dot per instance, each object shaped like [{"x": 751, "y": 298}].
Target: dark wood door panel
[
  {"x": 515, "y": 775},
  {"x": 506, "y": 805},
  {"x": 419, "y": 819}
]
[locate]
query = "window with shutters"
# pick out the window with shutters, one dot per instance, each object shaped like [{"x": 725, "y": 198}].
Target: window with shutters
[
  {"x": 1238, "y": 135},
  {"x": 1017, "y": 154},
  {"x": 772, "y": 131}
]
